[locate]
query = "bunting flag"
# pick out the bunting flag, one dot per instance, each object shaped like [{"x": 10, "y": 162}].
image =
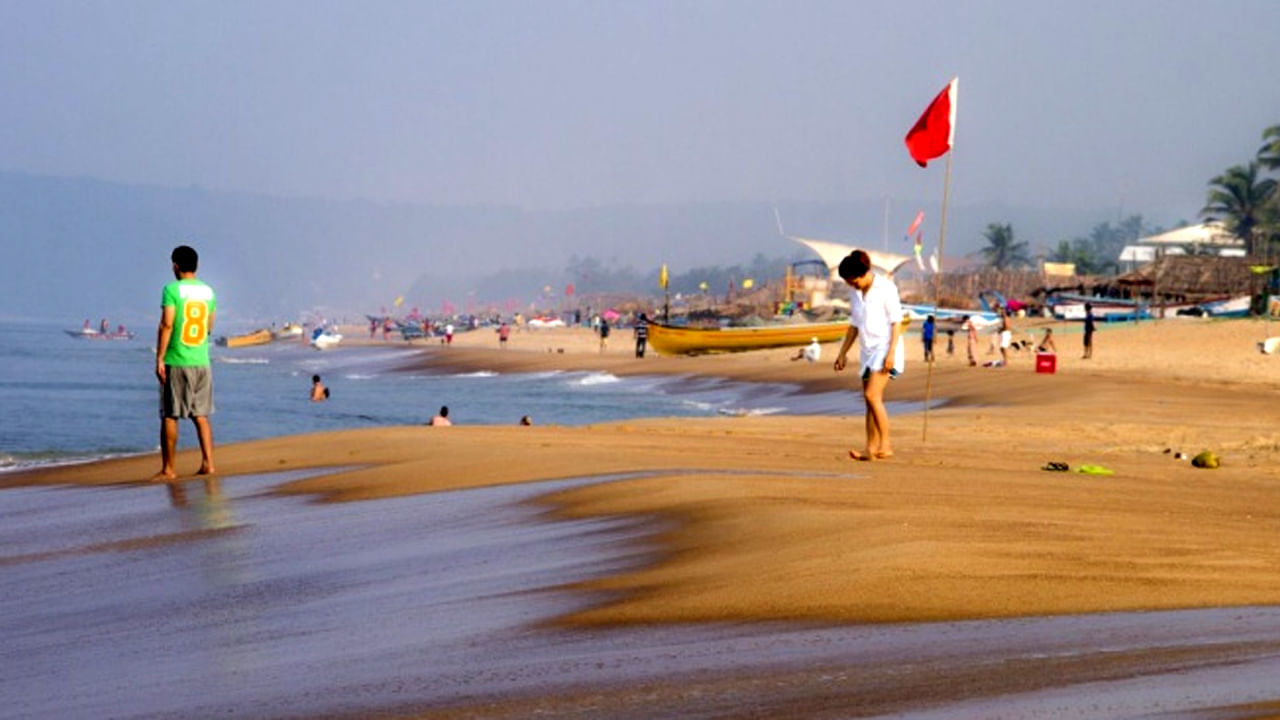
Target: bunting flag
[
  {"x": 399, "y": 301},
  {"x": 933, "y": 261},
  {"x": 662, "y": 277},
  {"x": 748, "y": 283},
  {"x": 919, "y": 250},
  {"x": 915, "y": 224},
  {"x": 935, "y": 132},
  {"x": 568, "y": 290}
]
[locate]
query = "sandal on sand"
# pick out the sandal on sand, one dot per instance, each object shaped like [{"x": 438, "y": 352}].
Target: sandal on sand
[
  {"x": 1055, "y": 467},
  {"x": 1095, "y": 470}
]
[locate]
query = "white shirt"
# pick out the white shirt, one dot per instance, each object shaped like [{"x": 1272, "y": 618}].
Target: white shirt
[
  {"x": 813, "y": 353},
  {"x": 874, "y": 315}
]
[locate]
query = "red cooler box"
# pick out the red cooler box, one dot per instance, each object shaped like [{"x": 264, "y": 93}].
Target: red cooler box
[{"x": 1046, "y": 363}]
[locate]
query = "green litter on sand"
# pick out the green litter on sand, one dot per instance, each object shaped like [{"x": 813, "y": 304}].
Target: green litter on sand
[
  {"x": 1206, "y": 460},
  {"x": 1095, "y": 470}
]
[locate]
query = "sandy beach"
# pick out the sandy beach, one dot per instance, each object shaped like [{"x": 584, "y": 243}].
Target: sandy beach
[{"x": 763, "y": 519}]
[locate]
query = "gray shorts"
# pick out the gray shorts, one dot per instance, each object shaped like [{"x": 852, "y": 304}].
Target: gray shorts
[{"x": 187, "y": 392}]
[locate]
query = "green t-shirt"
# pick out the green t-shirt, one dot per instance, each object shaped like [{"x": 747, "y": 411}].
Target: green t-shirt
[{"x": 192, "y": 302}]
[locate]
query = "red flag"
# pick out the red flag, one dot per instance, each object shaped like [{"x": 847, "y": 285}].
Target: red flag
[
  {"x": 935, "y": 132},
  {"x": 568, "y": 290},
  {"x": 916, "y": 223}
]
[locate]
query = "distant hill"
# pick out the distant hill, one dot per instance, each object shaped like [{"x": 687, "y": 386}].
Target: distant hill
[{"x": 72, "y": 248}]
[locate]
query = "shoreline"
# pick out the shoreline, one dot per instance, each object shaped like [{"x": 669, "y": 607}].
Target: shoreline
[
  {"x": 1050, "y": 543},
  {"x": 759, "y": 521}
]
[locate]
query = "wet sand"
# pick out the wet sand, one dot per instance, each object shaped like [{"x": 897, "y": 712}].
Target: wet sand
[{"x": 955, "y": 529}]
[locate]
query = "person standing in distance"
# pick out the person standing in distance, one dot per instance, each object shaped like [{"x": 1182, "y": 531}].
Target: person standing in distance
[
  {"x": 875, "y": 315},
  {"x": 188, "y": 308}
]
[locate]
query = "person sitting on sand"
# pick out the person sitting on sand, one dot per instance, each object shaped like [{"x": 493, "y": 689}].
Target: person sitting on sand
[
  {"x": 1046, "y": 344},
  {"x": 526, "y": 421},
  {"x": 442, "y": 418},
  {"x": 875, "y": 315},
  {"x": 318, "y": 391},
  {"x": 811, "y": 352}
]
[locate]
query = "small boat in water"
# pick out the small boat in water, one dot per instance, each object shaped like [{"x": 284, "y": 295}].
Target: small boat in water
[
  {"x": 91, "y": 334},
  {"x": 257, "y": 337},
  {"x": 288, "y": 332},
  {"x": 670, "y": 340},
  {"x": 323, "y": 338}
]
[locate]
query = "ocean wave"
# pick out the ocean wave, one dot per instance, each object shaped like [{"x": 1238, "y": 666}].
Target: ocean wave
[
  {"x": 14, "y": 462},
  {"x": 477, "y": 374},
  {"x": 751, "y": 412},
  {"x": 597, "y": 378},
  {"x": 244, "y": 361},
  {"x": 358, "y": 376}
]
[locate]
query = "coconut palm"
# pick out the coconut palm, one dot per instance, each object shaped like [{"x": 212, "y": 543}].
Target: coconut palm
[
  {"x": 1269, "y": 153},
  {"x": 1002, "y": 252},
  {"x": 1240, "y": 200}
]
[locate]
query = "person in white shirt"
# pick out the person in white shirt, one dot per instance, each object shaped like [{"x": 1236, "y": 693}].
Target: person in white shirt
[
  {"x": 875, "y": 315},
  {"x": 811, "y": 352}
]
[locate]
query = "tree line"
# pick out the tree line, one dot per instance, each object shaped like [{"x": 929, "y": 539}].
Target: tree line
[{"x": 1242, "y": 198}]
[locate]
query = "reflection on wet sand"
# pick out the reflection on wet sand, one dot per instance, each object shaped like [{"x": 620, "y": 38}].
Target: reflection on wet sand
[
  {"x": 439, "y": 605},
  {"x": 211, "y": 509}
]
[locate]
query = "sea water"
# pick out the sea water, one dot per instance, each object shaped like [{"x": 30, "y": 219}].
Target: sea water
[{"x": 64, "y": 399}]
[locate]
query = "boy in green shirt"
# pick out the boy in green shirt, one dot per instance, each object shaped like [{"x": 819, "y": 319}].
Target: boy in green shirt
[{"x": 188, "y": 308}]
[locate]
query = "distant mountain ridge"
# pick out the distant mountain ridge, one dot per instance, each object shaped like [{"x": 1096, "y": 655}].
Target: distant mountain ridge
[{"x": 72, "y": 248}]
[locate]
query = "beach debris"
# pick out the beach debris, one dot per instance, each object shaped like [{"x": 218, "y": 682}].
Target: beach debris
[
  {"x": 1055, "y": 466},
  {"x": 1177, "y": 455},
  {"x": 1206, "y": 460},
  {"x": 1095, "y": 470}
]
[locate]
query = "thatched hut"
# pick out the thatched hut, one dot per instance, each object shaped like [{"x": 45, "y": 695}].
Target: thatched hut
[{"x": 1190, "y": 278}]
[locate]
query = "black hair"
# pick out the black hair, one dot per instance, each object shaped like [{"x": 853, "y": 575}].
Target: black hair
[
  {"x": 186, "y": 258},
  {"x": 326, "y": 392},
  {"x": 444, "y": 411},
  {"x": 315, "y": 378},
  {"x": 855, "y": 265}
]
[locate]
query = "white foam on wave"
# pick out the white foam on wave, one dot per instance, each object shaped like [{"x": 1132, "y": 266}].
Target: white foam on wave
[
  {"x": 751, "y": 412},
  {"x": 477, "y": 374},
  {"x": 358, "y": 376},
  {"x": 597, "y": 378},
  {"x": 544, "y": 375},
  {"x": 245, "y": 361}
]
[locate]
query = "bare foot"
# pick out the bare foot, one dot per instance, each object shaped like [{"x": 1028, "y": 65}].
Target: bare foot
[
  {"x": 884, "y": 454},
  {"x": 206, "y": 470},
  {"x": 164, "y": 476},
  {"x": 865, "y": 455}
]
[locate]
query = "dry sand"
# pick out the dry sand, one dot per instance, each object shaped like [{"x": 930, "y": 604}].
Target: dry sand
[{"x": 767, "y": 519}]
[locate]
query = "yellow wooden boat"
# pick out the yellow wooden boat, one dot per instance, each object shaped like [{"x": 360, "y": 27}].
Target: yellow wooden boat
[
  {"x": 257, "y": 337},
  {"x": 670, "y": 340}
]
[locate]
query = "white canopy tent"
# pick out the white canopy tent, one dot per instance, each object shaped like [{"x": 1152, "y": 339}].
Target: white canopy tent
[{"x": 832, "y": 253}]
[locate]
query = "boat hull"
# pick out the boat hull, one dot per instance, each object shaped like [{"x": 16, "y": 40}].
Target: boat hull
[
  {"x": 259, "y": 337},
  {"x": 670, "y": 340},
  {"x": 95, "y": 335}
]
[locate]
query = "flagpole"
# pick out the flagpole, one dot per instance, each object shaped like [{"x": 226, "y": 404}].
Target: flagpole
[{"x": 937, "y": 276}]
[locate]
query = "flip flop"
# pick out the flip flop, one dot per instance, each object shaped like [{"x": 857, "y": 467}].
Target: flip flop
[
  {"x": 1095, "y": 470},
  {"x": 1055, "y": 467}
]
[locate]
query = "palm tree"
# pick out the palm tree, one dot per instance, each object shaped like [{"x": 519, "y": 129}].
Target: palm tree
[
  {"x": 1269, "y": 153},
  {"x": 1001, "y": 251},
  {"x": 1239, "y": 199}
]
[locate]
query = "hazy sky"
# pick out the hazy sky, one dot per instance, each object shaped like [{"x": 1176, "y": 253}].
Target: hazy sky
[{"x": 544, "y": 104}]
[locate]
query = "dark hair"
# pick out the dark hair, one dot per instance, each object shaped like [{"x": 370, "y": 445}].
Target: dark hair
[
  {"x": 315, "y": 378},
  {"x": 444, "y": 411},
  {"x": 186, "y": 258},
  {"x": 855, "y": 265}
]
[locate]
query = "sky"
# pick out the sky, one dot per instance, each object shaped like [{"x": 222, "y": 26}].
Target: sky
[{"x": 559, "y": 104}]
